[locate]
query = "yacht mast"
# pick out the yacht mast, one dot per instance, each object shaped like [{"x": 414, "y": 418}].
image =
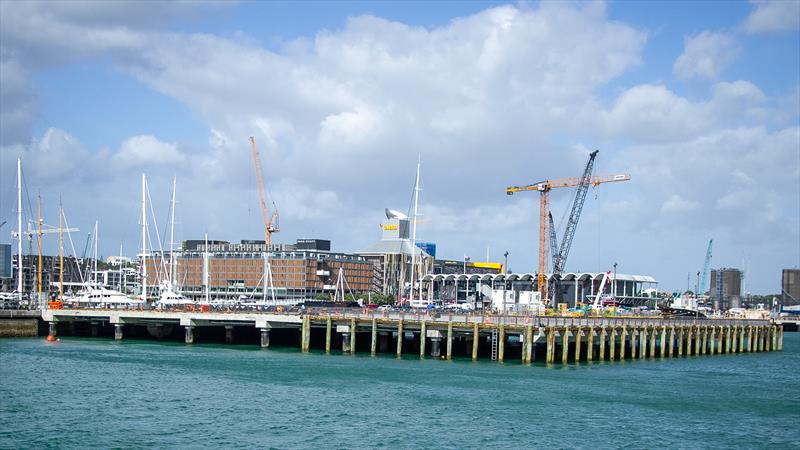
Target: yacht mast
[
  {"x": 206, "y": 276},
  {"x": 19, "y": 230},
  {"x": 95, "y": 252},
  {"x": 61, "y": 252},
  {"x": 144, "y": 238},
  {"x": 172, "y": 279},
  {"x": 414, "y": 232}
]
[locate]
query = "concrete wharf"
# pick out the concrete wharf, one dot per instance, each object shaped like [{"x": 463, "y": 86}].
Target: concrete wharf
[{"x": 549, "y": 339}]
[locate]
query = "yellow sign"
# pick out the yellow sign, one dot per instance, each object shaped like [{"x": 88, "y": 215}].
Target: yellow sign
[
  {"x": 488, "y": 265},
  {"x": 390, "y": 227}
]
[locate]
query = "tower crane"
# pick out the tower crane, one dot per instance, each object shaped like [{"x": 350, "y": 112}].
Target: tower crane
[
  {"x": 544, "y": 188},
  {"x": 270, "y": 222}
]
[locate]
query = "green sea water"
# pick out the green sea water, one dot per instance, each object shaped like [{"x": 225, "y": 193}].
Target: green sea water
[{"x": 98, "y": 393}]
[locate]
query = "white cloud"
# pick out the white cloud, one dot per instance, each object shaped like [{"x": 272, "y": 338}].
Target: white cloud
[
  {"x": 653, "y": 113},
  {"x": 771, "y": 16},
  {"x": 678, "y": 204},
  {"x": 706, "y": 55},
  {"x": 146, "y": 150}
]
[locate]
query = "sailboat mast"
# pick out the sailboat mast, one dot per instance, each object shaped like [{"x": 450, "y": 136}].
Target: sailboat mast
[
  {"x": 414, "y": 231},
  {"x": 172, "y": 278},
  {"x": 19, "y": 230},
  {"x": 144, "y": 238},
  {"x": 206, "y": 277},
  {"x": 61, "y": 252},
  {"x": 96, "y": 223},
  {"x": 39, "y": 236},
  {"x": 121, "y": 272}
]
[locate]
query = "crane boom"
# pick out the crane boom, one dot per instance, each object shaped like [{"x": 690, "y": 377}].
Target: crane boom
[
  {"x": 574, "y": 216},
  {"x": 706, "y": 266},
  {"x": 553, "y": 241},
  {"x": 270, "y": 224}
]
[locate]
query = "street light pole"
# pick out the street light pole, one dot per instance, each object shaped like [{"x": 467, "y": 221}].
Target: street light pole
[{"x": 614, "y": 294}]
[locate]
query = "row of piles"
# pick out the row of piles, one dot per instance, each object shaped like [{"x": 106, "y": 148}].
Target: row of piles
[{"x": 602, "y": 343}]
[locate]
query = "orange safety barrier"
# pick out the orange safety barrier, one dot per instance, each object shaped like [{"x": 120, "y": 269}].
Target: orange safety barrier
[{"x": 55, "y": 305}]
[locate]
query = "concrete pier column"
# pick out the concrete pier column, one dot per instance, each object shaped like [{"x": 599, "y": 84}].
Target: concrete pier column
[
  {"x": 634, "y": 335},
  {"x": 712, "y": 348},
  {"x": 689, "y": 336},
  {"x": 400, "y": 338},
  {"x": 750, "y": 339},
  {"x": 229, "y": 334},
  {"x": 189, "y": 338},
  {"x": 759, "y": 340},
  {"x": 353, "y": 335},
  {"x": 741, "y": 338},
  {"x": 590, "y": 344},
  {"x": 423, "y": 336},
  {"x": 623, "y": 337},
  {"x": 612, "y": 343},
  {"x": 663, "y": 343},
  {"x": 564, "y": 345},
  {"x": 95, "y": 329},
  {"x": 681, "y": 332},
  {"x": 671, "y": 343},
  {"x": 52, "y": 329},
  {"x": 729, "y": 340},
  {"x": 704, "y": 344},
  {"x": 653, "y": 338},
  {"x": 698, "y": 340},
  {"x": 475, "y": 341},
  {"x": 265, "y": 338},
  {"x": 436, "y": 347},
  {"x": 449, "y": 354},
  {"x": 578, "y": 337},
  {"x": 774, "y": 345},
  {"x": 501, "y": 343},
  {"x": 603, "y": 334},
  {"x": 780, "y": 338},
  {"x": 305, "y": 334},
  {"x": 642, "y": 342},
  {"x": 373, "y": 345},
  {"x": 551, "y": 337},
  {"x": 529, "y": 344},
  {"x": 328, "y": 326}
]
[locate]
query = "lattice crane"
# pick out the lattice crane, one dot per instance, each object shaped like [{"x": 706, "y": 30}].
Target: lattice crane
[
  {"x": 544, "y": 188},
  {"x": 270, "y": 222}
]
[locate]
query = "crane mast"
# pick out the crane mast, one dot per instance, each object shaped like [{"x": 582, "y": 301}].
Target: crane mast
[{"x": 270, "y": 222}]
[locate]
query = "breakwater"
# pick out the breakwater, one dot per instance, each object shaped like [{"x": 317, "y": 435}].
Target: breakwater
[{"x": 500, "y": 338}]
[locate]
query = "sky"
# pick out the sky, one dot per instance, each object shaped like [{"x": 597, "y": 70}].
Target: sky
[{"x": 698, "y": 101}]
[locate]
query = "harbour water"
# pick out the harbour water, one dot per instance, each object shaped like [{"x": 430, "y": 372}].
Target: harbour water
[{"x": 84, "y": 392}]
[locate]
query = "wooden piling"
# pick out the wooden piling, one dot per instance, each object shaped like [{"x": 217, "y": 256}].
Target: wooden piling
[
  {"x": 449, "y": 353},
  {"x": 475, "y": 339},
  {"x": 612, "y": 344},
  {"x": 353, "y": 336},
  {"x": 423, "y": 330},
  {"x": 328, "y": 334},
  {"x": 529, "y": 344},
  {"x": 400, "y": 338},
  {"x": 590, "y": 344},
  {"x": 681, "y": 332},
  {"x": 550, "y": 345},
  {"x": 564, "y": 345},
  {"x": 373, "y": 345},
  {"x": 501, "y": 344},
  {"x": 578, "y": 334},
  {"x": 653, "y": 337}
]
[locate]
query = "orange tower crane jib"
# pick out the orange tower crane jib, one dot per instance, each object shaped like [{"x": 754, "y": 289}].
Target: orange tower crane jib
[{"x": 544, "y": 188}]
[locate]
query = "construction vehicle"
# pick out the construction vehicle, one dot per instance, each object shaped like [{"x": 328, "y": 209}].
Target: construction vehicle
[
  {"x": 270, "y": 222},
  {"x": 544, "y": 188}
]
